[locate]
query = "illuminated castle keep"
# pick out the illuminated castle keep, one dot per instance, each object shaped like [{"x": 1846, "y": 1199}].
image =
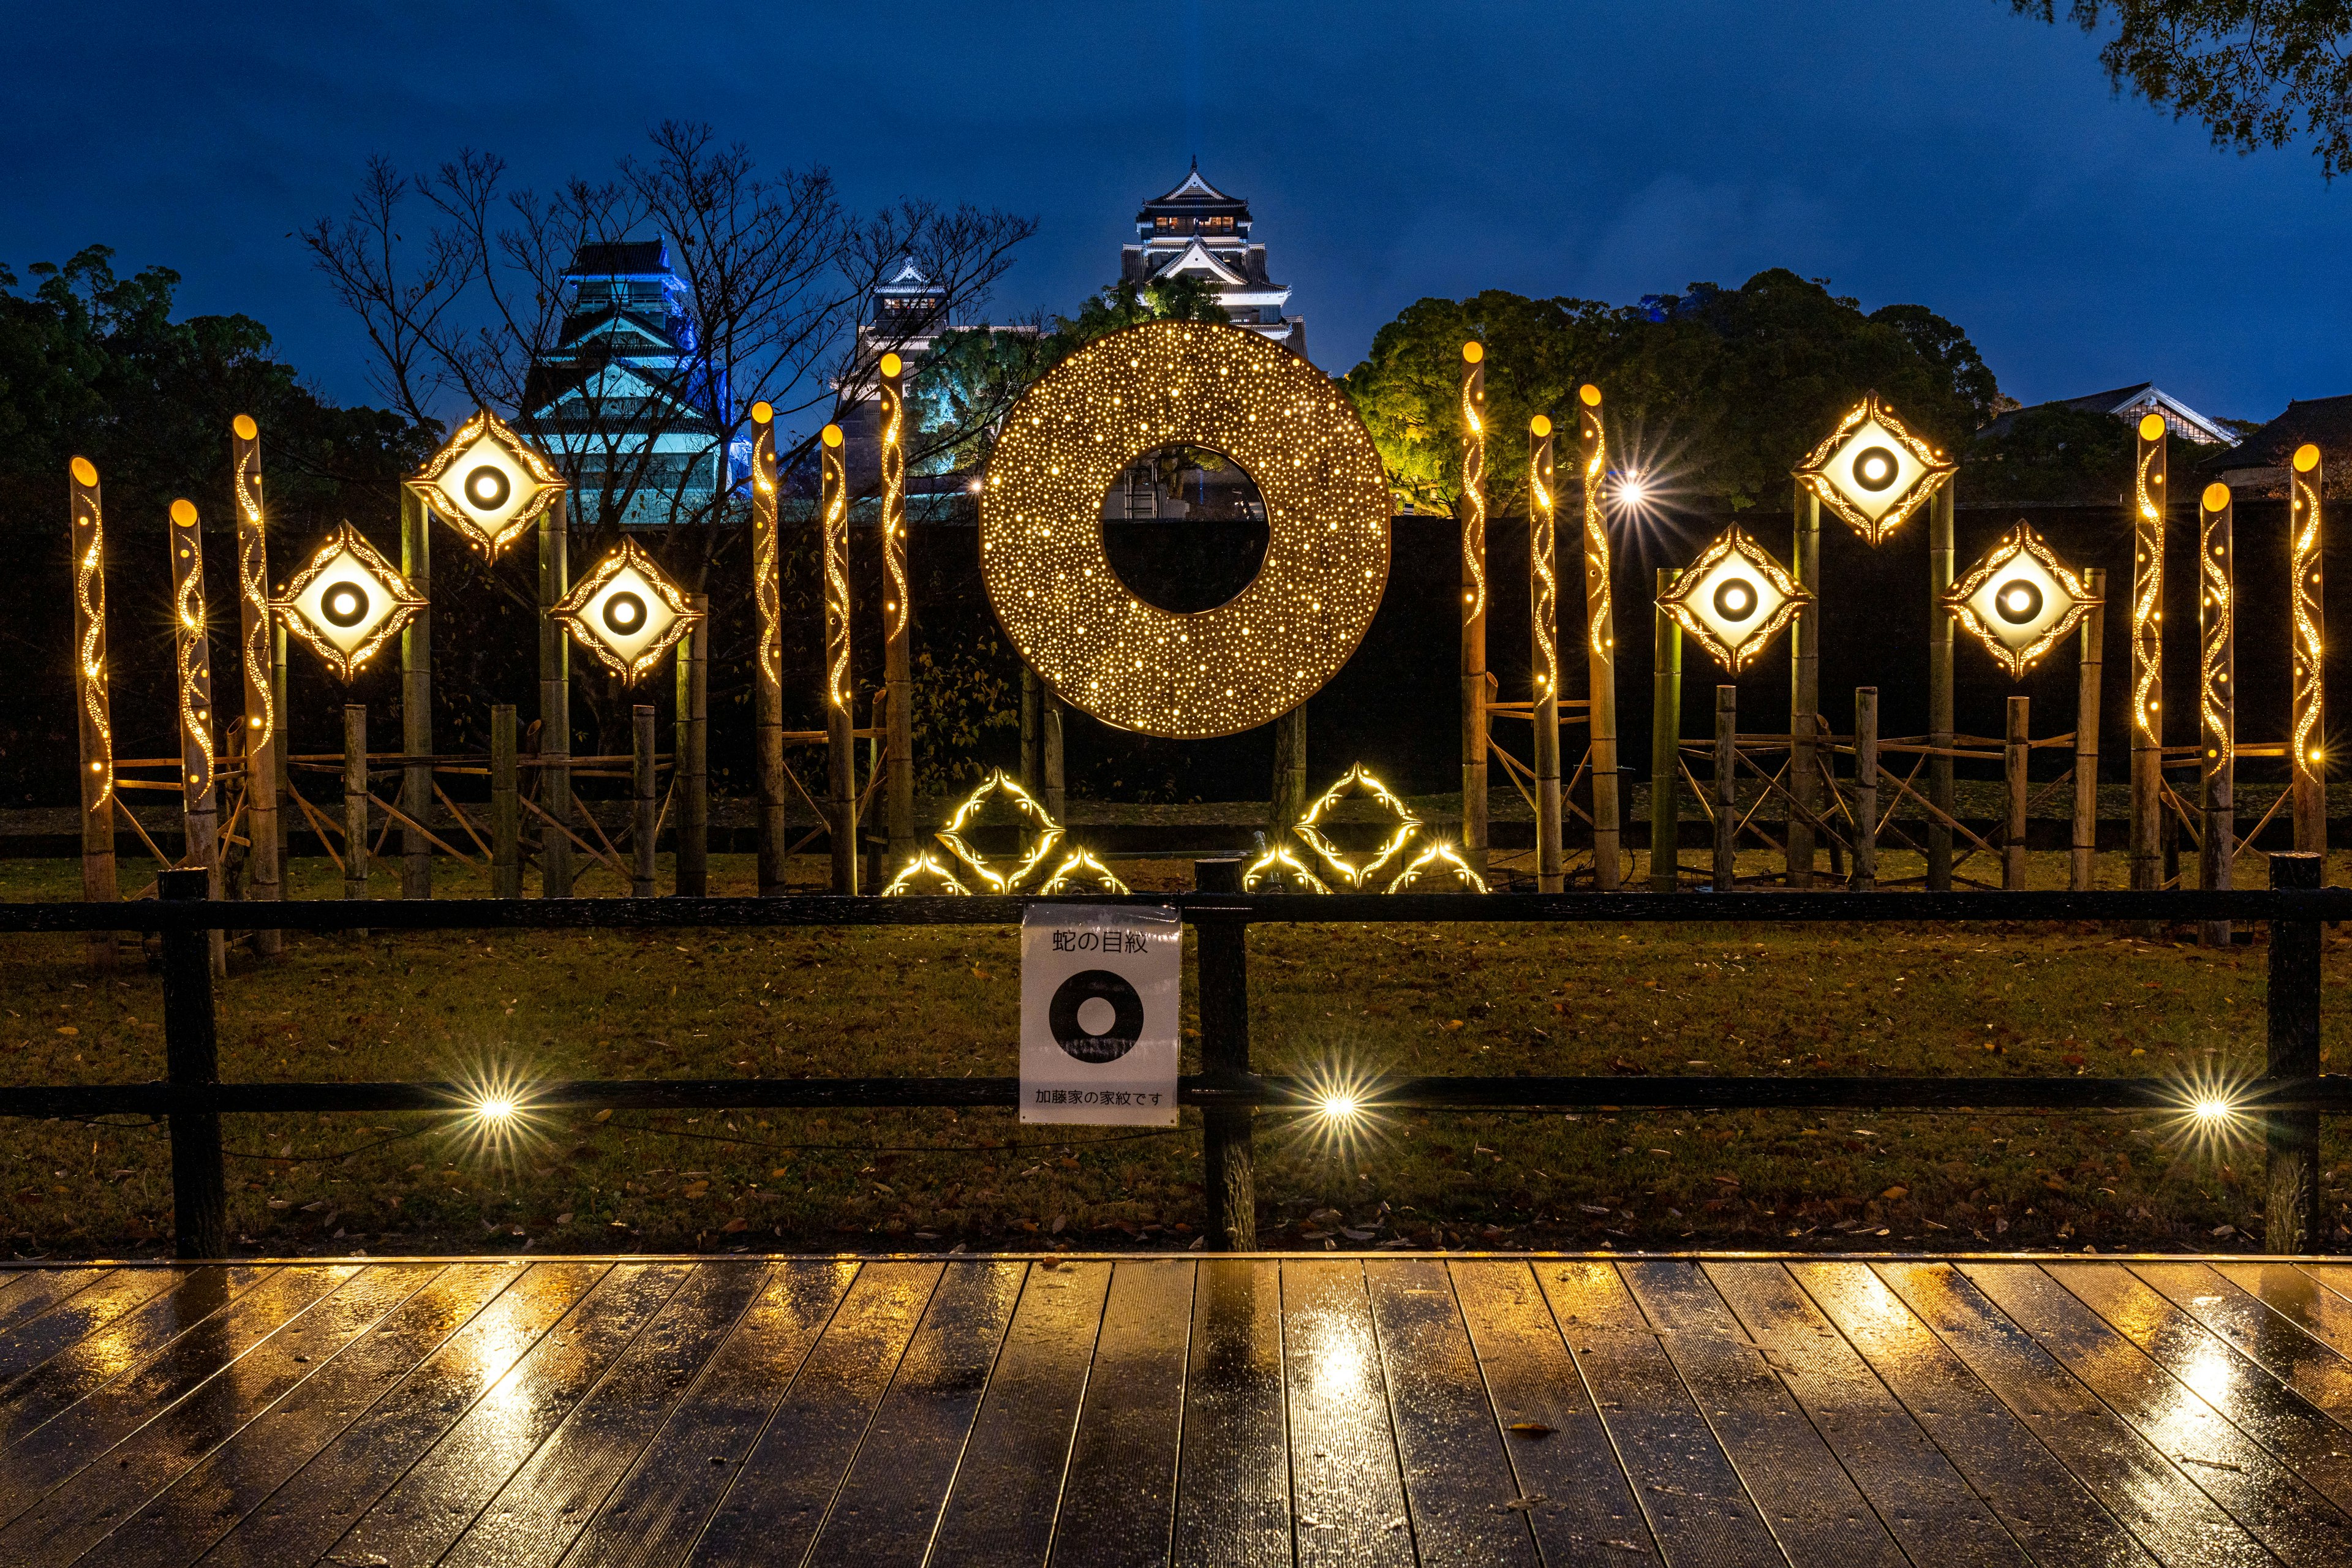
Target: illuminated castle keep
[{"x": 1199, "y": 229}]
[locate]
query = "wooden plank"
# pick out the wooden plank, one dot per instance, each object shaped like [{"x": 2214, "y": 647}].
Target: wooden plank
[
  {"x": 2269, "y": 1501},
  {"x": 1232, "y": 1484},
  {"x": 75, "y": 1373},
  {"x": 1810, "y": 1503},
  {"x": 2036, "y": 1498},
  {"x": 891, "y": 1499},
  {"x": 1699, "y": 1511},
  {"x": 424, "y": 1511},
  {"x": 2297, "y": 1295},
  {"x": 2336, "y": 1276},
  {"x": 35, "y": 1291},
  {"x": 658, "y": 1509},
  {"x": 92, "y": 1426},
  {"x": 303, "y": 1517},
  {"x": 1560, "y": 1453},
  {"x": 537, "y": 1515},
  {"x": 235, "y": 1478},
  {"x": 2136, "y": 1483},
  {"x": 65, "y": 1321},
  {"x": 2260, "y": 1406},
  {"x": 1118, "y": 1502},
  {"x": 1349, "y": 1492},
  {"x": 80, "y": 1513},
  {"x": 1459, "y": 1490},
  {"x": 779, "y": 1495},
  {"x": 1007, "y": 1490},
  {"x": 1922, "y": 1500},
  {"x": 2270, "y": 1334}
]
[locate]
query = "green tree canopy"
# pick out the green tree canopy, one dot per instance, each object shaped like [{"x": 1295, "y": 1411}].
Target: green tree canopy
[
  {"x": 2053, "y": 456},
  {"x": 1714, "y": 393}
]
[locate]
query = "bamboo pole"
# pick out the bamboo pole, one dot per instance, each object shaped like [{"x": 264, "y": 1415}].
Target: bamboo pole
[
  {"x": 283, "y": 786},
  {"x": 644, "y": 827},
  {"x": 1473, "y": 516},
  {"x": 1288, "y": 802},
  {"x": 96, "y": 707},
  {"x": 897, "y": 666},
  {"x": 2217, "y": 697},
  {"x": 767, "y": 664},
  {"x": 554, "y": 698},
  {"x": 691, "y": 772},
  {"x": 1726, "y": 789},
  {"x": 355, "y": 802},
  {"x": 416, "y": 698},
  {"x": 1805, "y": 688},
  {"x": 1865, "y": 789},
  {"x": 1599, "y": 645},
  {"x": 1053, "y": 756},
  {"x": 1939, "y": 686},
  {"x": 1666, "y": 740},
  {"x": 2306, "y": 539},
  {"x": 2148, "y": 657},
  {"x": 2018, "y": 748},
  {"x": 2086, "y": 733},
  {"x": 191, "y": 643},
  {"x": 840, "y": 691},
  {"x": 262, "y": 724},
  {"x": 506, "y": 817},
  {"x": 1543, "y": 621}
]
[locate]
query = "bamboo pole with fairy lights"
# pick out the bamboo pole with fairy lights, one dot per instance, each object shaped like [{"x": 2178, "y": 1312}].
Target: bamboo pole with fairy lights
[
  {"x": 417, "y": 701},
  {"x": 2149, "y": 475},
  {"x": 1543, "y": 624},
  {"x": 840, "y": 693},
  {"x": 768, "y": 657},
  {"x": 898, "y": 652},
  {"x": 1666, "y": 739},
  {"x": 1942, "y": 560},
  {"x": 1599, "y": 644},
  {"x": 1805, "y": 687},
  {"x": 199, "y": 754},
  {"x": 555, "y": 700},
  {"x": 256, "y": 631},
  {"x": 2217, "y": 697},
  {"x": 96, "y": 722},
  {"x": 1472, "y": 508},
  {"x": 2087, "y": 696},
  {"x": 2306, "y": 744},
  {"x": 692, "y": 772}
]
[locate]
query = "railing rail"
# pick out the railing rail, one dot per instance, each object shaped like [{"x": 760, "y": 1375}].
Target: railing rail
[{"x": 2289, "y": 1097}]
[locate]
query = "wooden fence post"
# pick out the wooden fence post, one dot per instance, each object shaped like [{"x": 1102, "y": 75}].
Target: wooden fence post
[
  {"x": 1228, "y": 1163},
  {"x": 1052, "y": 755},
  {"x": 191, "y": 642},
  {"x": 91, "y": 680},
  {"x": 1726, "y": 788},
  {"x": 192, "y": 1067},
  {"x": 1472, "y": 508},
  {"x": 355, "y": 802},
  {"x": 690, "y": 765},
  {"x": 2216, "y": 697},
  {"x": 1804, "y": 691},
  {"x": 2290, "y": 1213},
  {"x": 416, "y": 699},
  {"x": 2014, "y": 755},
  {"x": 1666, "y": 740},
  {"x": 2079, "y": 871},
  {"x": 262, "y": 726},
  {"x": 1865, "y": 788},
  {"x": 554, "y": 700},
  {"x": 643, "y": 830},
  {"x": 1939, "y": 687},
  {"x": 506, "y": 809},
  {"x": 1289, "y": 795}
]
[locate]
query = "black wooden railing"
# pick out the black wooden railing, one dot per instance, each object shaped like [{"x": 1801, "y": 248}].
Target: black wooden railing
[{"x": 2288, "y": 1099}]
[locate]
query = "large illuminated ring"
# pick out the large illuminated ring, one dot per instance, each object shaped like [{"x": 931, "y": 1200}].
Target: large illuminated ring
[{"x": 1134, "y": 665}]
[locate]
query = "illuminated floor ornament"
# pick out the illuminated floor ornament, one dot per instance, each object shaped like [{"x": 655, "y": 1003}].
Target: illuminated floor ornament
[
  {"x": 626, "y": 612},
  {"x": 347, "y": 603},
  {"x": 1081, "y": 872},
  {"x": 1443, "y": 858},
  {"x": 1734, "y": 599},
  {"x": 1076, "y": 865},
  {"x": 1873, "y": 472},
  {"x": 924, "y": 867},
  {"x": 1351, "y": 872},
  {"x": 2021, "y": 600},
  {"x": 488, "y": 483},
  {"x": 1131, "y": 664},
  {"x": 1280, "y": 863}
]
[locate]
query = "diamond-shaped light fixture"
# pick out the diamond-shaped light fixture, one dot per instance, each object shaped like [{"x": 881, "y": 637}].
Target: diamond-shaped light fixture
[
  {"x": 1873, "y": 472},
  {"x": 1355, "y": 873},
  {"x": 488, "y": 483},
  {"x": 2021, "y": 600},
  {"x": 348, "y": 602},
  {"x": 1735, "y": 599},
  {"x": 626, "y": 612}
]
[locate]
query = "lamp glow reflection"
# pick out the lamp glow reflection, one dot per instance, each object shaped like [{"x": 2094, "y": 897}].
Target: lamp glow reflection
[{"x": 496, "y": 1122}]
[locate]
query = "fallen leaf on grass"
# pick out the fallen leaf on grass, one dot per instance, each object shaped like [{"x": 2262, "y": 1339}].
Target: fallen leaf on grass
[
  {"x": 1892, "y": 1194},
  {"x": 68, "y": 1030},
  {"x": 734, "y": 1226}
]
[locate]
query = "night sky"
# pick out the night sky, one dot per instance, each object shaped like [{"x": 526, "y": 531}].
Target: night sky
[{"x": 1941, "y": 152}]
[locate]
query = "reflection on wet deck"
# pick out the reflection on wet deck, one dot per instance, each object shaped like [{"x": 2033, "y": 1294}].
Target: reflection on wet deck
[{"x": 1148, "y": 1410}]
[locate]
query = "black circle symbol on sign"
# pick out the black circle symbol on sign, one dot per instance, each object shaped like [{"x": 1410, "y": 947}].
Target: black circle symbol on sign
[
  {"x": 487, "y": 487},
  {"x": 2018, "y": 602},
  {"x": 1089, "y": 986},
  {"x": 345, "y": 605},
  {"x": 1735, "y": 601},
  {"x": 624, "y": 614},
  {"x": 1874, "y": 468}
]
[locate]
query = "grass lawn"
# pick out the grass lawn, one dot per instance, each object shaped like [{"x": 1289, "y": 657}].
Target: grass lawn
[{"x": 1976, "y": 999}]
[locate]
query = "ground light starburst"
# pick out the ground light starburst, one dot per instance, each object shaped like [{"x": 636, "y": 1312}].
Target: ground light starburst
[
  {"x": 495, "y": 1118},
  {"x": 1337, "y": 1120},
  {"x": 2209, "y": 1115}
]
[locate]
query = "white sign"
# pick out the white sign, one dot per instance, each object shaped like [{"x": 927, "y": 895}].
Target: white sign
[{"x": 1100, "y": 988}]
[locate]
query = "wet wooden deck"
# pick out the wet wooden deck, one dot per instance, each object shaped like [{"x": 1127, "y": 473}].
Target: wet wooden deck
[{"x": 1138, "y": 1410}]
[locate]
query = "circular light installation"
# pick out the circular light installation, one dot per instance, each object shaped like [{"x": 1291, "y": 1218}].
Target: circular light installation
[
  {"x": 1875, "y": 469},
  {"x": 1735, "y": 599},
  {"x": 347, "y": 603},
  {"x": 2020, "y": 601},
  {"x": 487, "y": 487},
  {"x": 345, "y": 606},
  {"x": 626, "y": 612},
  {"x": 1871, "y": 471},
  {"x": 1131, "y": 663},
  {"x": 488, "y": 483}
]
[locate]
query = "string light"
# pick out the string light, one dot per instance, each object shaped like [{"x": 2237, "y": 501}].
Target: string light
[
  {"x": 2147, "y": 584},
  {"x": 193, "y": 658},
  {"x": 1734, "y": 599},
  {"x": 347, "y": 603},
  {"x": 1873, "y": 471},
  {"x": 253, "y": 570},
  {"x": 893, "y": 496},
  {"x": 488, "y": 483},
  {"x": 1599, "y": 610},
  {"x": 2215, "y": 622},
  {"x": 627, "y": 612},
  {"x": 2021, "y": 600},
  {"x": 89, "y": 611},
  {"x": 832, "y": 523},
  {"x": 1543, "y": 545},
  {"x": 2303, "y": 491},
  {"x": 766, "y": 587},
  {"x": 1129, "y": 663},
  {"x": 1473, "y": 480},
  {"x": 1356, "y": 873}
]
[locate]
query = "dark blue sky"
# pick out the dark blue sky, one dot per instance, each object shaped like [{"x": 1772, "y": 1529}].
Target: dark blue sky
[{"x": 1939, "y": 152}]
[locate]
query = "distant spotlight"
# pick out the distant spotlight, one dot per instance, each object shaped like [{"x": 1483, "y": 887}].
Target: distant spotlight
[
  {"x": 1339, "y": 1107},
  {"x": 495, "y": 1110},
  {"x": 1633, "y": 490},
  {"x": 2213, "y": 1110}
]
